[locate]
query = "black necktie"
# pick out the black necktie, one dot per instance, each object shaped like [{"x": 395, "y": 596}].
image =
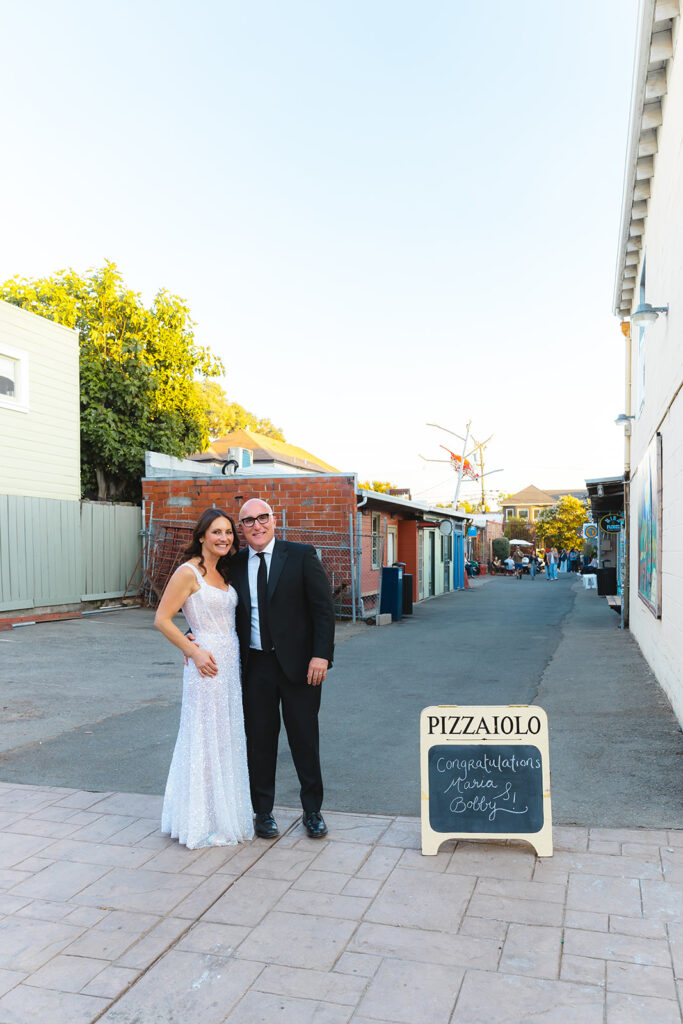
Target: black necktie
[{"x": 262, "y": 592}]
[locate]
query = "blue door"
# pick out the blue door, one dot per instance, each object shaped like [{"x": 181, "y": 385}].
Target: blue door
[{"x": 458, "y": 561}]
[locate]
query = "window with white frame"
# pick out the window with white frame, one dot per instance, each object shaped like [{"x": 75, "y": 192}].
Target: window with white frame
[
  {"x": 522, "y": 513},
  {"x": 376, "y": 540},
  {"x": 13, "y": 379},
  {"x": 392, "y": 545}
]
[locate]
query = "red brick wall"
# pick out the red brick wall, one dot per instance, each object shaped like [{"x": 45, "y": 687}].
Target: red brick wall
[
  {"x": 370, "y": 577},
  {"x": 317, "y": 503},
  {"x": 491, "y": 531}
]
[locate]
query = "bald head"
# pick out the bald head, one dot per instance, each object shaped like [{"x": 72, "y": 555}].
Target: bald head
[
  {"x": 254, "y": 507},
  {"x": 257, "y": 535}
]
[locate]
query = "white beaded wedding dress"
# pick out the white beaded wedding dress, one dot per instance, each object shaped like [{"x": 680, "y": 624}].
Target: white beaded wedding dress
[{"x": 207, "y": 801}]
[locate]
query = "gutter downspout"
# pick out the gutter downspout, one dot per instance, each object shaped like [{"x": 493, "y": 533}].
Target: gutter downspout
[
  {"x": 356, "y": 576},
  {"x": 626, "y": 582}
]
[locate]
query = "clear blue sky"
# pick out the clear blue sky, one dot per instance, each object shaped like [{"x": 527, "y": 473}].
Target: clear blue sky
[{"x": 381, "y": 213}]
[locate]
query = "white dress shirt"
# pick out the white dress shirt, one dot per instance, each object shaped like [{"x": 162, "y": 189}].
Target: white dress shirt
[{"x": 252, "y": 567}]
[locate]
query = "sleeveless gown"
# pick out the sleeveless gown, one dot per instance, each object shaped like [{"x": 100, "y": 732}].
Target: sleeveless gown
[{"x": 207, "y": 800}]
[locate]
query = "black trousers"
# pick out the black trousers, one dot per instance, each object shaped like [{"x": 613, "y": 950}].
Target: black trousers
[{"x": 265, "y": 688}]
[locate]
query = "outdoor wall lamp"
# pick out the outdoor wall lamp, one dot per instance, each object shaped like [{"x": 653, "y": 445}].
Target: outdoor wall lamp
[
  {"x": 647, "y": 314},
  {"x": 624, "y": 420}
]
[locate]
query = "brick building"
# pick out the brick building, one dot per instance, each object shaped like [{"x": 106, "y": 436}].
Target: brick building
[
  {"x": 356, "y": 532},
  {"x": 488, "y": 526}
]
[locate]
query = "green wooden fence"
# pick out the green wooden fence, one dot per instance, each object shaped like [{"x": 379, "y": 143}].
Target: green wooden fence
[{"x": 64, "y": 552}]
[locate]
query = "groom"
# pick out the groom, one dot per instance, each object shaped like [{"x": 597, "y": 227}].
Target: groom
[{"x": 285, "y": 625}]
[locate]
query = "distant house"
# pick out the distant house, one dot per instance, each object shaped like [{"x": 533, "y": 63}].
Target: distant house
[
  {"x": 263, "y": 456},
  {"x": 40, "y": 444},
  {"x": 527, "y": 503}
]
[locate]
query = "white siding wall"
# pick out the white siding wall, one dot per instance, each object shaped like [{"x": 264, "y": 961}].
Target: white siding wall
[
  {"x": 40, "y": 448},
  {"x": 662, "y": 640}
]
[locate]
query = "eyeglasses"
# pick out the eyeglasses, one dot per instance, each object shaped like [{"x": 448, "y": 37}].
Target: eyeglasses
[{"x": 249, "y": 521}]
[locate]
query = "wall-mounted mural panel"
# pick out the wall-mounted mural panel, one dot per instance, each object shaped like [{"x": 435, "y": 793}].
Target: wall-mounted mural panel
[{"x": 649, "y": 490}]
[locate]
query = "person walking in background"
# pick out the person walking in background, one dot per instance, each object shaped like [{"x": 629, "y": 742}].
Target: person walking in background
[
  {"x": 563, "y": 563},
  {"x": 533, "y": 565},
  {"x": 551, "y": 563},
  {"x": 518, "y": 556}
]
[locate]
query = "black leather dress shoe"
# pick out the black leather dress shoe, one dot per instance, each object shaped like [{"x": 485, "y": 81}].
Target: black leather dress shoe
[
  {"x": 315, "y": 824},
  {"x": 265, "y": 826}
]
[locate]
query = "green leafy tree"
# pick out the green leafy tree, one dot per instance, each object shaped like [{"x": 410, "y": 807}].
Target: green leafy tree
[
  {"x": 138, "y": 368},
  {"x": 225, "y": 416},
  {"x": 560, "y": 526},
  {"x": 500, "y": 547}
]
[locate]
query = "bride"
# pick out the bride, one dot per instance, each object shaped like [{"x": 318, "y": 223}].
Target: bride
[{"x": 207, "y": 801}]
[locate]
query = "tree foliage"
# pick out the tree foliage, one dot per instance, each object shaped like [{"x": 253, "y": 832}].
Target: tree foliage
[
  {"x": 500, "y": 547},
  {"x": 137, "y": 367},
  {"x": 225, "y": 416},
  {"x": 560, "y": 526},
  {"x": 379, "y": 486},
  {"x": 517, "y": 528}
]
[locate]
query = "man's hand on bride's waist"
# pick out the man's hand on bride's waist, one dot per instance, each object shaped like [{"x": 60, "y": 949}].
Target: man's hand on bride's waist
[{"x": 190, "y": 636}]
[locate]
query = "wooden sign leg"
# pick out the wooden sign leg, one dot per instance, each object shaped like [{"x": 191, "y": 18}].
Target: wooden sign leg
[
  {"x": 431, "y": 842},
  {"x": 543, "y": 845}
]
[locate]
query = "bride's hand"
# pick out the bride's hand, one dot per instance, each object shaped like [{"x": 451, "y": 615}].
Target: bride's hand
[{"x": 205, "y": 662}]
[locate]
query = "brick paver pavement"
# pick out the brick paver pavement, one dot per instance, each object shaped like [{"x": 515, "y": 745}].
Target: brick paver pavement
[{"x": 102, "y": 918}]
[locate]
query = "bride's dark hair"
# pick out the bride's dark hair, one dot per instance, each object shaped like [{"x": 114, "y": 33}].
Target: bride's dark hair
[{"x": 194, "y": 548}]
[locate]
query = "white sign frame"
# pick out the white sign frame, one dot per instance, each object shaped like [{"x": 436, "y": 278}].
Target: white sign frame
[{"x": 462, "y": 726}]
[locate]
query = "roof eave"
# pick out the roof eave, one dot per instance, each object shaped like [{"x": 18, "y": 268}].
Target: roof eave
[
  {"x": 653, "y": 45},
  {"x": 413, "y": 506}
]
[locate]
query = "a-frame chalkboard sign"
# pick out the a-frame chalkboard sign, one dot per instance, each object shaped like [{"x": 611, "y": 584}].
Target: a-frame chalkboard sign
[{"x": 485, "y": 774}]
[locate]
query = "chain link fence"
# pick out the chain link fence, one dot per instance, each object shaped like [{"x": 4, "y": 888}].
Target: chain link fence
[
  {"x": 163, "y": 543},
  {"x": 351, "y": 559}
]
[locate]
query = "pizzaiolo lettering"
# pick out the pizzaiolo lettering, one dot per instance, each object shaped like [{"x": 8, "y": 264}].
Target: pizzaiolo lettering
[{"x": 485, "y": 725}]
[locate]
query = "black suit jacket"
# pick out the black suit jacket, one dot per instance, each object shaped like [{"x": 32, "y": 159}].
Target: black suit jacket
[{"x": 301, "y": 609}]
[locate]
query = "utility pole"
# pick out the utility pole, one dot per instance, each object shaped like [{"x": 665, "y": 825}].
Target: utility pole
[{"x": 480, "y": 448}]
